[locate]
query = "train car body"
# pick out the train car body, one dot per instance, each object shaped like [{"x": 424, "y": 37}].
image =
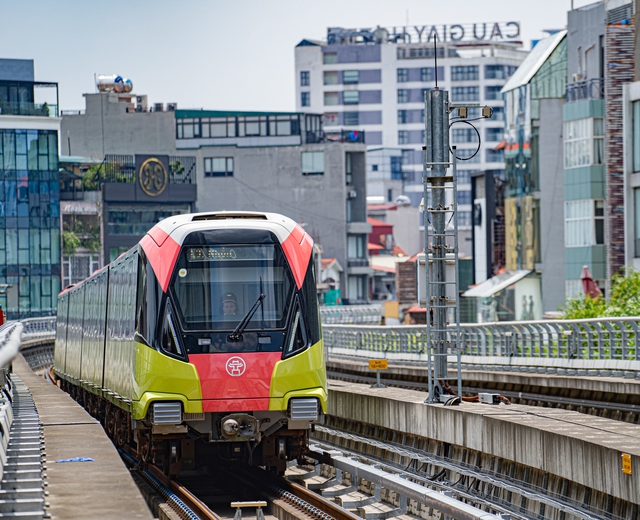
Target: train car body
[{"x": 207, "y": 329}]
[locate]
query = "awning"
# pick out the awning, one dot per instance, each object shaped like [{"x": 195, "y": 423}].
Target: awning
[{"x": 496, "y": 284}]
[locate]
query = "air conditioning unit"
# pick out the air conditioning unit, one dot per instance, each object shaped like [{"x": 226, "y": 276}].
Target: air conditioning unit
[
  {"x": 352, "y": 194},
  {"x": 141, "y": 103},
  {"x": 576, "y": 77},
  {"x": 158, "y": 107},
  {"x": 171, "y": 107}
]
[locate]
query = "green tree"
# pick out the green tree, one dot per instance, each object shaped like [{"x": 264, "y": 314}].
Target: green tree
[
  {"x": 91, "y": 178},
  {"x": 624, "y": 299},
  {"x": 70, "y": 242}
]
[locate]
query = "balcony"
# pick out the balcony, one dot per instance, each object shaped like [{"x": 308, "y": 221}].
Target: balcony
[
  {"x": 585, "y": 89},
  {"x": 28, "y": 109},
  {"x": 19, "y": 99},
  {"x": 346, "y": 136}
]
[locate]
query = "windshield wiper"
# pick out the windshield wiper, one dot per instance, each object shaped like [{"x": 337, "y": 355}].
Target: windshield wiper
[{"x": 236, "y": 334}]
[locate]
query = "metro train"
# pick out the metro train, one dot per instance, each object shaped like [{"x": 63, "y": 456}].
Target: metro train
[{"x": 201, "y": 342}]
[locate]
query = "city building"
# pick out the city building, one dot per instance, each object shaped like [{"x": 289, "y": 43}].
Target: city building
[
  {"x": 29, "y": 192},
  {"x": 583, "y": 116},
  {"x": 620, "y": 70},
  {"x": 286, "y": 163},
  {"x": 375, "y": 79},
  {"x": 238, "y": 161},
  {"x": 534, "y": 174},
  {"x": 130, "y": 171}
]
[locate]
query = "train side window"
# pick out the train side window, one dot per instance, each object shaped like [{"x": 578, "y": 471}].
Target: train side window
[
  {"x": 169, "y": 338},
  {"x": 297, "y": 341},
  {"x": 141, "y": 315}
]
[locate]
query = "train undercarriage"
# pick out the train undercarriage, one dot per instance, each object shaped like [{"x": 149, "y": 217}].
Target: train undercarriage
[{"x": 183, "y": 448}]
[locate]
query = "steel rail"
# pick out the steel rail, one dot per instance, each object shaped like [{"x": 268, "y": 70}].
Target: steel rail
[{"x": 504, "y": 482}]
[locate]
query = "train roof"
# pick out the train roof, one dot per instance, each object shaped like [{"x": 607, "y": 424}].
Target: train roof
[{"x": 179, "y": 226}]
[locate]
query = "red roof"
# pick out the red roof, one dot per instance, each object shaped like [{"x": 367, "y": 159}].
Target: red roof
[
  {"x": 326, "y": 262},
  {"x": 380, "y": 207},
  {"x": 383, "y": 268},
  {"x": 398, "y": 251},
  {"x": 415, "y": 308},
  {"x": 374, "y": 247},
  {"x": 378, "y": 223}
]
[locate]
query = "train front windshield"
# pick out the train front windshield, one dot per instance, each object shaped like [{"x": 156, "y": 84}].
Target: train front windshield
[{"x": 216, "y": 286}]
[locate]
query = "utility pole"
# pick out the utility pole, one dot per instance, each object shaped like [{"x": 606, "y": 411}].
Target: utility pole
[{"x": 441, "y": 247}]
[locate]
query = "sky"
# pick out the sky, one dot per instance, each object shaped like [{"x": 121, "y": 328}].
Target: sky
[{"x": 214, "y": 54}]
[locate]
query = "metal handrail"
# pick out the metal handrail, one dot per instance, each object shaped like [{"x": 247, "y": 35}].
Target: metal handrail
[{"x": 600, "y": 346}]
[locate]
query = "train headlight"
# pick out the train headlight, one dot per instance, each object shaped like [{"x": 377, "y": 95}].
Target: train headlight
[
  {"x": 230, "y": 427},
  {"x": 303, "y": 409},
  {"x": 166, "y": 412}
]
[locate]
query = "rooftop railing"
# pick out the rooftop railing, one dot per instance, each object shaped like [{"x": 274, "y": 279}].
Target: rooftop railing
[
  {"x": 585, "y": 89},
  {"x": 28, "y": 109}
]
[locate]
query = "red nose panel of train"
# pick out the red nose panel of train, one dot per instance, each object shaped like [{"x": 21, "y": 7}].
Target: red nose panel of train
[{"x": 235, "y": 382}]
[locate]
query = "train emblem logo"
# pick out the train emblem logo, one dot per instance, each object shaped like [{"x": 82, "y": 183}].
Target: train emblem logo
[
  {"x": 236, "y": 366},
  {"x": 153, "y": 177}
]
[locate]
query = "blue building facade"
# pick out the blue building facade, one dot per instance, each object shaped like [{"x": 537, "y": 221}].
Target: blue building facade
[{"x": 29, "y": 193}]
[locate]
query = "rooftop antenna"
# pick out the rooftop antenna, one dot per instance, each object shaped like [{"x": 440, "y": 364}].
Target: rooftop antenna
[{"x": 435, "y": 53}]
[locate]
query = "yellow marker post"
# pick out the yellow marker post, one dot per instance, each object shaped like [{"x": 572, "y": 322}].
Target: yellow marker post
[
  {"x": 626, "y": 464},
  {"x": 377, "y": 365}
]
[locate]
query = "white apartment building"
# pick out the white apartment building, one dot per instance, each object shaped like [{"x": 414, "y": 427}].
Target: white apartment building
[{"x": 374, "y": 81}]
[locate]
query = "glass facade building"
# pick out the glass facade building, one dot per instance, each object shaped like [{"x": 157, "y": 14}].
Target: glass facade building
[{"x": 29, "y": 222}]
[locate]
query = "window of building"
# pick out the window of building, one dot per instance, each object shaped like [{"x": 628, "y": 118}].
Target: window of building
[
  {"x": 583, "y": 142},
  {"x": 396, "y": 168},
  {"x": 493, "y": 134},
  {"x": 374, "y": 167},
  {"x": 284, "y": 125},
  {"x": 350, "y": 77},
  {"x": 350, "y": 97},
  {"x": 329, "y": 58},
  {"x": 464, "y": 176},
  {"x": 330, "y": 119},
  {"x": 403, "y": 137},
  {"x": 498, "y": 71},
  {"x": 218, "y": 167},
  {"x": 636, "y": 211},
  {"x": 428, "y": 74},
  {"x": 403, "y": 75},
  {"x": 464, "y": 197},
  {"x": 497, "y": 115},
  {"x": 583, "y": 223},
  {"x": 402, "y": 117},
  {"x": 464, "y": 135},
  {"x": 348, "y": 168},
  {"x": 251, "y": 126},
  {"x": 459, "y": 94},
  {"x": 305, "y": 99},
  {"x": 403, "y": 95},
  {"x": 636, "y": 136},
  {"x": 330, "y": 77},
  {"x": 351, "y": 118},
  {"x": 357, "y": 288},
  {"x": 304, "y": 78},
  {"x": 331, "y": 98},
  {"x": 187, "y": 128},
  {"x": 492, "y": 92},
  {"x": 465, "y": 154},
  {"x": 464, "y": 218},
  {"x": 464, "y": 73},
  {"x": 407, "y": 157},
  {"x": 218, "y": 126},
  {"x": 494, "y": 155},
  {"x": 356, "y": 246},
  {"x": 312, "y": 163}
]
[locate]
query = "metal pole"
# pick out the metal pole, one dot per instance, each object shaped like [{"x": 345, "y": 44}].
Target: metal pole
[{"x": 437, "y": 161}]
